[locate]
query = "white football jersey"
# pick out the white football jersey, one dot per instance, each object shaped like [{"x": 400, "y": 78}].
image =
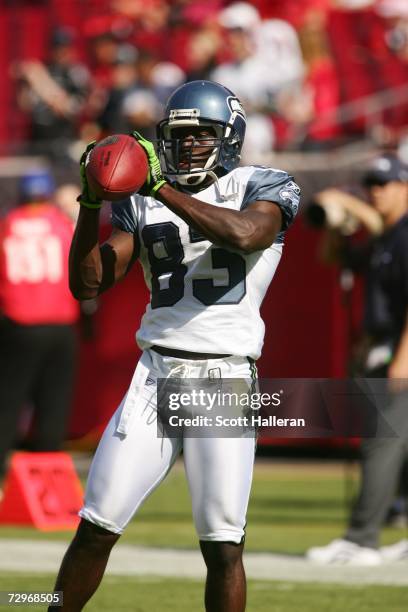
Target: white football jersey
[{"x": 205, "y": 298}]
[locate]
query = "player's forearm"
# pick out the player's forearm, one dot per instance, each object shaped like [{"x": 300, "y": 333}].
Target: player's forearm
[
  {"x": 85, "y": 263},
  {"x": 224, "y": 227}
]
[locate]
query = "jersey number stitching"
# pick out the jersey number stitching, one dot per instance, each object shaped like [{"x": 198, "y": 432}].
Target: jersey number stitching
[{"x": 165, "y": 252}]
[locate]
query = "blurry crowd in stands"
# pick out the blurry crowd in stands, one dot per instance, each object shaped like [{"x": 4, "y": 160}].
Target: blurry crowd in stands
[{"x": 312, "y": 74}]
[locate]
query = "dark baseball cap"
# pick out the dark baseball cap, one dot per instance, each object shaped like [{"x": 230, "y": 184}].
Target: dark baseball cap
[{"x": 385, "y": 169}]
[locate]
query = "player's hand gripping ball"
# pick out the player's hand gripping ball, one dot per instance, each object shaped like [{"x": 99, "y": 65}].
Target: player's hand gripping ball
[
  {"x": 115, "y": 167},
  {"x": 155, "y": 179}
]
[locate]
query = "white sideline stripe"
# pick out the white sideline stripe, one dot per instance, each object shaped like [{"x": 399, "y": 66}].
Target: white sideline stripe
[{"x": 26, "y": 556}]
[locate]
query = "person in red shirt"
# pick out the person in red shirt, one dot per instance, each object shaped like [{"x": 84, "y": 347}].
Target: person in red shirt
[{"x": 37, "y": 317}]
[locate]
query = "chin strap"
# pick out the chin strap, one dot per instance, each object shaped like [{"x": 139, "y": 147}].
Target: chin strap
[
  {"x": 224, "y": 198},
  {"x": 220, "y": 195}
]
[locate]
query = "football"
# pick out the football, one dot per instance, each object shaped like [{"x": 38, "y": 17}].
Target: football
[{"x": 117, "y": 167}]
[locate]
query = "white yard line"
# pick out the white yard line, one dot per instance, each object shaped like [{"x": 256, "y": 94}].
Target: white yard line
[{"x": 30, "y": 556}]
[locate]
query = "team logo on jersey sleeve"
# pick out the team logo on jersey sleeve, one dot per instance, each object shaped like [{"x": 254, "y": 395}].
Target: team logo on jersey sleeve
[{"x": 291, "y": 193}]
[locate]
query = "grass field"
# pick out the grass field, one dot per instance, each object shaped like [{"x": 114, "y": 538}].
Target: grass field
[
  {"x": 165, "y": 595},
  {"x": 293, "y": 506}
]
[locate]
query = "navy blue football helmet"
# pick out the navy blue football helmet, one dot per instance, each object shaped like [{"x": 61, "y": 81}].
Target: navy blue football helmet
[{"x": 210, "y": 106}]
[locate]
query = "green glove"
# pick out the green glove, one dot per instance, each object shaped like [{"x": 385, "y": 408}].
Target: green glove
[
  {"x": 155, "y": 179},
  {"x": 87, "y": 198}
]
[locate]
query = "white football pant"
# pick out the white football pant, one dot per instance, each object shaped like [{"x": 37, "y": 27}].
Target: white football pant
[{"x": 130, "y": 463}]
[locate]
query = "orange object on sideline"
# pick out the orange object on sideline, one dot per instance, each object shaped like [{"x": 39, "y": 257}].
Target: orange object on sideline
[{"x": 42, "y": 490}]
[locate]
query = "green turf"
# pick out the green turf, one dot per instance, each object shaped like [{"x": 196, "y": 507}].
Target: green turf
[
  {"x": 292, "y": 507},
  {"x": 166, "y": 595}
]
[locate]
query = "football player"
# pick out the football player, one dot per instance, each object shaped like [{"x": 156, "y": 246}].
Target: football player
[{"x": 209, "y": 236}]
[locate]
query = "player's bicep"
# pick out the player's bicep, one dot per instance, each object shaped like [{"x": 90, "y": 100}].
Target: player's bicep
[
  {"x": 118, "y": 254},
  {"x": 266, "y": 220}
]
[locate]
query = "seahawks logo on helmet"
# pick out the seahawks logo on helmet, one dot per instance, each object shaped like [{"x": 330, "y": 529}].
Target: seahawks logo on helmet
[{"x": 236, "y": 106}]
